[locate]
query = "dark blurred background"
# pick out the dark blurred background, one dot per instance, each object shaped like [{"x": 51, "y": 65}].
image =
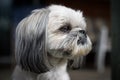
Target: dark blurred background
[{"x": 95, "y": 66}]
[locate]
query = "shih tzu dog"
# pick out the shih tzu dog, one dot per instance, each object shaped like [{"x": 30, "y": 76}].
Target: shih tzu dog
[{"x": 46, "y": 39}]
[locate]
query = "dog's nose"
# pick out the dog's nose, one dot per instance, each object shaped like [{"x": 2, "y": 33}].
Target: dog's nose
[
  {"x": 82, "y": 32},
  {"x": 82, "y": 37},
  {"x": 81, "y": 40}
]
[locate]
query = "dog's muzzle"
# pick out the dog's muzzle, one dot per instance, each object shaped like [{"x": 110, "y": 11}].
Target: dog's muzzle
[{"x": 82, "y": 37}]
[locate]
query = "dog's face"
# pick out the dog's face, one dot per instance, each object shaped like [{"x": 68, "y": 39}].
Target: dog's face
[
  {"x": 56, "y": 31},
  {"x": 66, "y": 33}
]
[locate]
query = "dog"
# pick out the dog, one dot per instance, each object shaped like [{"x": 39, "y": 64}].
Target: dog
[{"x": 46, "y": 39}]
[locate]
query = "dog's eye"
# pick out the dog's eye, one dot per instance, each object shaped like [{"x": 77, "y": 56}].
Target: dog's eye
[{"x": 65, "y": 28}]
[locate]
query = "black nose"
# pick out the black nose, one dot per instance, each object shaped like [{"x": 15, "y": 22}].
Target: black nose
[
  {"x": 82, "y": 37},
  {"x": 82, "y": 32},
  {"x": 81, "y": 40}
]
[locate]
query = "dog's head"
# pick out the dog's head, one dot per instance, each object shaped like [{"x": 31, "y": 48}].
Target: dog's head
[{"x": 57, "y": 31}]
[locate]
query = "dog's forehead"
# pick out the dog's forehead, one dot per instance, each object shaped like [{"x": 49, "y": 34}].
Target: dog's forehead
[{"x": 68, "y": 15}]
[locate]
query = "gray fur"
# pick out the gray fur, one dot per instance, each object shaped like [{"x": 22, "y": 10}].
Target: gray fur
[{"x": 30, "y": 49}]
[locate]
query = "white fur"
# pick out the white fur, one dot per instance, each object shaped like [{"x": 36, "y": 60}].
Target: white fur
[
  {"x": 59, "y": 16},
  {"x": 57, "y": 73}
]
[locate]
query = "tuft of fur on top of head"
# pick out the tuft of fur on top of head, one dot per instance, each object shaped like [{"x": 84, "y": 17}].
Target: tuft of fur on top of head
[{"x": 75, "y": 16}]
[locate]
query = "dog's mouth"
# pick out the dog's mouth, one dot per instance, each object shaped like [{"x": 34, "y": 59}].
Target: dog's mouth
[
  {"x": 61, "y": 52},
  {"x": 67, "y": 53}
]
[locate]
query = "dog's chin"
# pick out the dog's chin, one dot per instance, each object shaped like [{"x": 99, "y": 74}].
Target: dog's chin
[{"x": 81, "y": 50}]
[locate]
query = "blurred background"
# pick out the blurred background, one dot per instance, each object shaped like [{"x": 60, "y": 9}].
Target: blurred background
[{"x": 95, "y": 66}]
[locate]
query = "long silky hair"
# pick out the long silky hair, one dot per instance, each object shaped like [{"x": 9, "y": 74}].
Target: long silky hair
[{"x": 30, "y": 42}]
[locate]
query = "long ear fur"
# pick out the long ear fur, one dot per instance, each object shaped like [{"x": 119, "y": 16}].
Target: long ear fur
[{"x": 30, "y": 48}]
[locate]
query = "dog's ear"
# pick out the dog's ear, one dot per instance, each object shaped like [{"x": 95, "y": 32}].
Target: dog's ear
[{"x": 30, "y": 48}]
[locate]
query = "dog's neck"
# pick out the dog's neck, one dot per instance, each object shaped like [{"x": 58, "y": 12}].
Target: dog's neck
[
  {"x": 56, "y": 61},
  {"x": 58, "y": 72}
]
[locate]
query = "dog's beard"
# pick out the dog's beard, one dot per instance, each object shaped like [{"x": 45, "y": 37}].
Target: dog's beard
[{"x": 65, "y": 45}]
